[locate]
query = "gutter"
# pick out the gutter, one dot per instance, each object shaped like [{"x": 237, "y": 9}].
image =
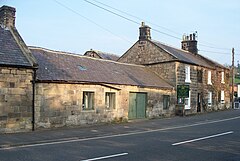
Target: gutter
[{"x": 33, "y": 99}]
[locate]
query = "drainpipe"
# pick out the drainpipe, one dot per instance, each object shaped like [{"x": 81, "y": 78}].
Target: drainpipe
[{"x": 33, "y": 99}]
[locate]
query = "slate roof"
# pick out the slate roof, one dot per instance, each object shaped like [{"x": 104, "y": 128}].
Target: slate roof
[
  {"x": 65, "y": 67},
  {"x": 10, "y": 51},
  {"x": 188, "y": 57},
  {"x": 104, "y": 55}
]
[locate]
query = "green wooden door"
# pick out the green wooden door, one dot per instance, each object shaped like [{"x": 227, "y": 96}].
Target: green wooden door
[
  {"x": 141, "y": 105},
  {"x": 137, "y": 105},
  {"x": 132, "y": 110}
]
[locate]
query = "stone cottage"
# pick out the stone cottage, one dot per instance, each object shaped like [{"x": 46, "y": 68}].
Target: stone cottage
[
  {"x": 41, "y": 88},
  {"x": 17, "y": 69},
  {"x": 75, "y": 90},
  {"x": 207, "y": 80}
]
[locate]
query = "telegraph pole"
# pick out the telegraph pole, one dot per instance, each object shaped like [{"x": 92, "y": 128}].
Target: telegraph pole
[{"x": 232, "y": 77}]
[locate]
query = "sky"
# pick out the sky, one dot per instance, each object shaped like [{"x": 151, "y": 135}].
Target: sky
[{"x": 78, "y": 25}]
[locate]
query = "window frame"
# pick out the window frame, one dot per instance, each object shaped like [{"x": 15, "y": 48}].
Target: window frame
[
  {"x": 200, "y": 76},
  {"x": 209, "y": 80},
  {"x": 209, "y": 98},
  {"x": 223, "y": 77},
  {"x": 110, "y": 100},
  {"x": 222, "y": 96},
  {"x": 187, "y": 74},
  {"x": 187, "y": 102},
  {"x": 89, "y": 102},
  {"x": 166, "y": 98}
]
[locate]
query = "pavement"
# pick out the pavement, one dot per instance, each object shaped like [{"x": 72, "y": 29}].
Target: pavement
[{"x": 91, "y": 131}]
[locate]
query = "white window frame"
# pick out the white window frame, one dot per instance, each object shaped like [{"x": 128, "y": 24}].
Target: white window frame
[
  {"x": 187, "y": 74},
  {"x": 209, "y": 98},
  {"x": 222, "y": 96},
  {"x": 88, "y": 100},
  {"x": 223, "y": 80},
  {"x": 209, "y": 77},
  {"x": 110, "y": 100},
  {"x": 187, "y": 105}
]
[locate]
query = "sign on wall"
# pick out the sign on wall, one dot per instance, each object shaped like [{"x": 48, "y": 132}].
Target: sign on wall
[{"x": 182, "y": 91}]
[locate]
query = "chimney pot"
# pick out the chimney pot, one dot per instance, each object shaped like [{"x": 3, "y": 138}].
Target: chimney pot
[{"x": 190, "y": 43}]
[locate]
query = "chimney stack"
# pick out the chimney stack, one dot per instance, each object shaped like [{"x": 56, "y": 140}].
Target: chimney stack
[
  {"x": 189, "y": 43},
  {"x": 144, "y": 32},
  {"x": 7, "y": 16}
]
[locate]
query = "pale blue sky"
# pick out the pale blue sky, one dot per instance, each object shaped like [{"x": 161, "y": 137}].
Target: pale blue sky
[{"x": 46, "y": 23}]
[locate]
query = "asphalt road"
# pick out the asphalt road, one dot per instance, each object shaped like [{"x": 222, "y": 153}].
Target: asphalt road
[{"x": 207, "y": 137}]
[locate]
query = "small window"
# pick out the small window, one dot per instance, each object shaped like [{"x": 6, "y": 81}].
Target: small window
[
  {"x": 209, "y": 98},
  {"x": 188, "y": 101},
  {"x": 110, "y": 99},
  {"x": 88, "y": 101},
  {"x": 187, "y": 74},
  {"x": 223, "y": 77},
  {"x": 210, "y": 77},
  {"x": 166, "y": 102},
  {"x": 199, "y": 76},
  {"x": 82, "y": 68},
  {"x": 222, "y": 97}
]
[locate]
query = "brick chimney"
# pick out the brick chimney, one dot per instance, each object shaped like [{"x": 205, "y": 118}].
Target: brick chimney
[
  {"x": 7, "y": 16},
  {"x": 144, "y": 32},
  {"x": 189, "y": 43}
]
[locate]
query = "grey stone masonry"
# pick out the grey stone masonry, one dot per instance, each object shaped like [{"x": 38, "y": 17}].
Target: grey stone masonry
[{"x": 15, "y": 99}]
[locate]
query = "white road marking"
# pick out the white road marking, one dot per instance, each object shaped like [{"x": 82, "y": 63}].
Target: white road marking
[
  {"x": 106, "y": 157},
  {"x": 115, "y": 135},
  {"x": 203, "y": 138}
]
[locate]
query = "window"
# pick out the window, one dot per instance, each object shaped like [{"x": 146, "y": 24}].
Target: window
[
  {"x": 209, "y": 77},
  {"x": 188, "y": 101},
  {"x": 88, "y": 101},
  {"x": 223, "y": 78},
  {"x": 209, "y": 98},
  {"x": 199, "y": 76},
  {"x": 82, "y": 68},
  {"x": 110, "y": 100},
  {"x": 166, "y": 101},
  {"x": 187, "y": 74},
  {"x": 222, "y": 97}
]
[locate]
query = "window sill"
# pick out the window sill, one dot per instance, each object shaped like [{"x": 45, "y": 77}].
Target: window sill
[
  {"x": 110, "y": 110},
  {"x": 187, "y": 107},
  {"x": 83, "y": 110}
]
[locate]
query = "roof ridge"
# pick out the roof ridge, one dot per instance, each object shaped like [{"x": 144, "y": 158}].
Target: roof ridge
[
  {"x": 172, "y": 46},
  {"x": 199, "y": 56},
  {"x": 82, "y": 56}
]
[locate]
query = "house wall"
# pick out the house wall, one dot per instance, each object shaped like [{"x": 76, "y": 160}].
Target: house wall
[
  {"x": 174, "y": 73},
  {"x": 203, "y": 88},
  {"x": 61, "y": 104},
  {"x": 145, "y": 52},
  {"x": 15, "y": 99},
  {"x": 167, "y": 71}
]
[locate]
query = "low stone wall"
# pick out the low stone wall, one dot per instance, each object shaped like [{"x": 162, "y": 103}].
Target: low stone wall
[{"x": 15, "y": 99}]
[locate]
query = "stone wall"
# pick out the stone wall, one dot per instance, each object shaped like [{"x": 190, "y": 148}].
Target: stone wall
[
  {"x": 174, "y": 73},
  {"x": 15, "y": 99},
  {"x": 60, "y": 105},
  {"x": 203, "y": 87},
  {"x": 145, "y": 52},
  {"x": 167, "y": 71}
]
